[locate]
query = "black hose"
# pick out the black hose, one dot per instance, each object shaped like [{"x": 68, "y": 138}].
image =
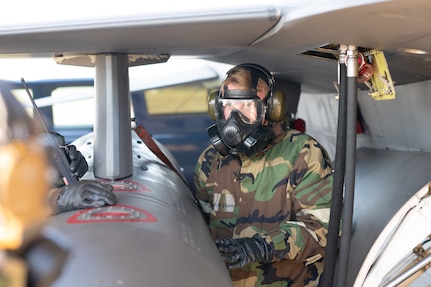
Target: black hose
[
  {"x": 337, "y": 190},
  {"x": 352, "y": 83}
]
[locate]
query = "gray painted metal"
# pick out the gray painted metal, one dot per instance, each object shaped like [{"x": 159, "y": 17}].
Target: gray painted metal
[
  {"x": 113, "y": 155},
  {"x": 385, "y": 180},
  {"x": 273, "y": 34},
  {"x": 154, "y": 236}
]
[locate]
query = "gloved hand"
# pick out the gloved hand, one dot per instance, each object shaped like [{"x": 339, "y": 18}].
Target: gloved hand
[
  {"x": 242, "y": 251},
  {"x": 78, "y": 165},
  {"x": 85, "y": 194}
]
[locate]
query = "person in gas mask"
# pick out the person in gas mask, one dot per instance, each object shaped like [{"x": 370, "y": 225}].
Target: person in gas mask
[
  {"x": 32, "y": 253},
  {"x": 82, "y": 194},
  {"x": 265, "y": 188}
]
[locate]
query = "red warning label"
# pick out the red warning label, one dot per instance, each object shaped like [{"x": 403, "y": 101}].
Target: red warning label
[
  {"x": 116, "y": 213},
  {"x": 126, "y": 186}
]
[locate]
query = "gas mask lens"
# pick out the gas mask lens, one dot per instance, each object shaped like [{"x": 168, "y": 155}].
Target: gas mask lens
[{"x": 251, "y": 111}]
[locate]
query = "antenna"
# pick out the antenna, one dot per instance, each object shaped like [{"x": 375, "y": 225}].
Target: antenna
[{"x": 59, "y": 152}]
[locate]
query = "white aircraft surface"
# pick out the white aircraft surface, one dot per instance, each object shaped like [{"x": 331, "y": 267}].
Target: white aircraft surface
[{"x": 357, "y": 72}]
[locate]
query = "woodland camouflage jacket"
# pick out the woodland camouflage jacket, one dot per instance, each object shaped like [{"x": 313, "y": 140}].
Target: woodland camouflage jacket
[{"x": 284, "y": 194}]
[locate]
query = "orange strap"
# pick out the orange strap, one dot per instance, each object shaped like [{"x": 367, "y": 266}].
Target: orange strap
[{"x": 152, "y": 145}]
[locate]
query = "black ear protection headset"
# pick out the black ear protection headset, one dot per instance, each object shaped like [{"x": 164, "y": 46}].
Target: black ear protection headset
[
  {"x": 275, "y": 112},
  {"x": 275, "y": 102}
]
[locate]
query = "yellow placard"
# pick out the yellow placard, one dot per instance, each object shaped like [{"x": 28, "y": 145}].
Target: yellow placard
[{"x": 382, "y": 86}]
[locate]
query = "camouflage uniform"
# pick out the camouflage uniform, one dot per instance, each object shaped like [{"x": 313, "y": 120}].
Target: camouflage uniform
[{"x": 284, "y": 194}]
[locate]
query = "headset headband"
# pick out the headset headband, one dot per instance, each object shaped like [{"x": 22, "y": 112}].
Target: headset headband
[{"x": 255, "y": 68}]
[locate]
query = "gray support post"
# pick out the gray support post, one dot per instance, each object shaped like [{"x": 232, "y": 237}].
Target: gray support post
[{"x": 112, "y": 128}]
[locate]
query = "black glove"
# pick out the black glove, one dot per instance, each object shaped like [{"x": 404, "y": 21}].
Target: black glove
[
  {"x": 242, "y": 251},
  {"x": 78, "y": 165},
  {"x": 85, "y": 194}
]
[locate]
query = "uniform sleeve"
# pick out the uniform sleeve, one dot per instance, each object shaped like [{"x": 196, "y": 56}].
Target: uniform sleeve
[
  {"x": 303, "y": 238},
  {"x": 200, "y": 176}
]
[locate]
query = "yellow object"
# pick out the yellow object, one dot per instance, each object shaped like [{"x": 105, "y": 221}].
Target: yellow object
[
  {"x": 24, "y": 184},
  {"x": 13, "y": 272},
  {"x": 382, "y": 86}
]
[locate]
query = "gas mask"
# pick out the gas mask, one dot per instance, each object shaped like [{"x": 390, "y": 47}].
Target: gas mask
[{"x": 239, "y": 116}]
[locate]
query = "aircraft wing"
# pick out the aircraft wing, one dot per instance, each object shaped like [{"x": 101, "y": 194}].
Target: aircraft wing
[{"x": 276, "y": 33}]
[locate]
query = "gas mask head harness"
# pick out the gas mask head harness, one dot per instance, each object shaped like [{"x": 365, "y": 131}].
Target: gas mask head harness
[{"x": 239, "y": 115}]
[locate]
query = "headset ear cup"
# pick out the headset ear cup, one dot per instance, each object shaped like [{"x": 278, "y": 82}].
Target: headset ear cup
[
  {"x": 211, "y": 104},
  {"x": 276, "y": 107}
]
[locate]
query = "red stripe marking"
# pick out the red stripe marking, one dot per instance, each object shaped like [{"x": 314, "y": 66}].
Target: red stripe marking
[{"x": 116, "y": 213}]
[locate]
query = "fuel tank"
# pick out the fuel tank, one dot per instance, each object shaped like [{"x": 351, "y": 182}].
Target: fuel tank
[{"x": 154, "y": 236}]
